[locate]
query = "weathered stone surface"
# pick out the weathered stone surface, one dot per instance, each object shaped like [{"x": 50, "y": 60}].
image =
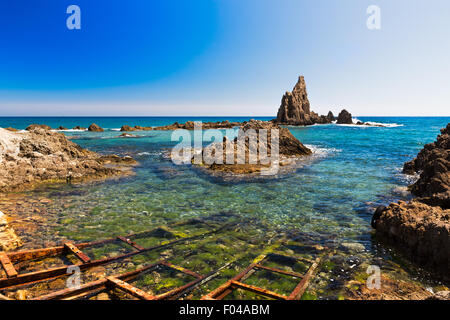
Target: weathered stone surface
[
  {"x": 8, "y": 238},
  {"x": 420, "y": 231},
  {"x": 433, "y": 164},
  {"x": 36, "y": 156},
  {"x": 295, "y": 108},
  {"x": 95, "y": 128},
  {"x": 344, "y": 117},
  {"x": 289, "y": 146},
  {"x": 36, "y": 126}
]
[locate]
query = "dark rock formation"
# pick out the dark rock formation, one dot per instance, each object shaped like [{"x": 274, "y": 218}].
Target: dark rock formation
[
  {"x": 95, "y": 128},
  {"x": 295, "y": 107},
  {"x": 344, "y": 117},
  {"x": 79, "y": 128},
  {"x": 433, "y": 164},
  {"x": 62, "y": 128},
  {"x": 330, "y": 116},
  {"x": 36, "y": 156},
  {"x": 189, "y": 125}
]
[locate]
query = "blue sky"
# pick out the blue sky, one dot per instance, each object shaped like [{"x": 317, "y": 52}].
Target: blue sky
[{"x": 223, "y": 57}]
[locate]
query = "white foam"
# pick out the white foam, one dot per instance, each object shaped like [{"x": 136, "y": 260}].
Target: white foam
[{"x": 370, "y": 124}]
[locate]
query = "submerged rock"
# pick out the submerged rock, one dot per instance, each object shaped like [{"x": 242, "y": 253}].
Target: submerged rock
[
  {"x": 8, "y": 238},
  {"x": 295, "y": 107}
]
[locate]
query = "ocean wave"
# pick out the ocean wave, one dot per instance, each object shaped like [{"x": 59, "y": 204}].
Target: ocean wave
[
  {"x": 370, "y": 124},
  {"x": 322, "y": 152}
]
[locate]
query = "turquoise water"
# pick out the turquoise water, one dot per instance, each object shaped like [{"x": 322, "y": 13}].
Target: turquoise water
[{"x": 355, "y": 169}]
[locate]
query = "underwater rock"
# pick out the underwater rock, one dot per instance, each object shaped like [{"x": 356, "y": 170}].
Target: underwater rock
[
  {"x": 295, "y": 107},
  {"x": 39, "y": 155},
  {"x": 344, "y": 117},
  {"x": 95, "y": 128}
]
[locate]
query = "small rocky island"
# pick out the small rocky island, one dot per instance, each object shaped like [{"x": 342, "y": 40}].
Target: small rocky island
[
  {"x": 289, "y": 149},
  {"x": 421, "y": 227}
]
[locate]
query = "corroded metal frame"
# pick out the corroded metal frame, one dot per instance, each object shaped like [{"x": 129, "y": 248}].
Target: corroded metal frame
[
  {"x": 237, "y": 282},
  {"x": 15, "y": 278}
]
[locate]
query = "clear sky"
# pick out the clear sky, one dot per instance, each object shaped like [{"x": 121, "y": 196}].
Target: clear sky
[{"x": 223, "y": 57}]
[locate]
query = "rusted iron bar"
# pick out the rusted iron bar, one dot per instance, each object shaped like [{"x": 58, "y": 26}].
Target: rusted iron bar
[
  {"x": 128, "y": 288},
  {"x": 275, "y": 270},
  {"x": 264, "y": 292},
  {"x": 120, "y": 282},
  {"x": 181, "y": 269},
  {"x": 301, "y": 287},
  {"x": 7, "y": 265},
  {"x": 130, "y": 242},
  {"x": 37, "y": 276},
  {"x": 77, "y": 252}
]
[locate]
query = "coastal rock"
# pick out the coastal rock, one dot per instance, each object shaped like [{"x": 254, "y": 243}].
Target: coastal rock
[
  {"x": 330, "y": 116},
  {"x": 127, "y": 128},
  {"x": 28, "y": 158},
  {"x": 79, "y": 128},
  {"x": 433, "y": 164},
  {"x": 95, "y": 128},
  {"x": 8, "y": 238},
  {"x": 420, "y": 231},
  {"x": 11, "y": 129},
  {"x": 295, "y": 107},
  {"x": 344, "y": 117},
  {"x": 62, "y": 128},
  {"x": 31, "y": 127},
  {"x": 289, "y": 147},
  {"x": 190, "y": 125}
]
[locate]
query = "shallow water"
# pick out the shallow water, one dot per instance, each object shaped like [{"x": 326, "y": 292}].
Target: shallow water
[{"x": 333, "y": 196}]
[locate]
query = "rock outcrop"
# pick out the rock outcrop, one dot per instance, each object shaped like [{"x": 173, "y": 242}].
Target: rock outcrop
[
  {"x": 433, "y": 165},
  {"x": 421, "y": 228},
  {"x": 288, "y": 147},
  {"x": 95, "y": 128},
  {"x": 36, "y": 126},
  {"x": 36, "y": 156},
  {"x": 295, "y": 108},
  {"x": 344, "y": 117},
  {"x": 8, "y": 238}
]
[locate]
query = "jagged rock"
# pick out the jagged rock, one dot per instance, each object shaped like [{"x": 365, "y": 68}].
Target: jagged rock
[
  {"x": 28, "y": 158},
  {"x": 62, "y": 128},
  {"x": 433, "y": 164},
  {"x": 295, "y": 107},
  {"x": 95, "y": 128},
  {"x": 344, "y": 117},
  {"x": 127, "y": 128},
  {"x": 8, "y": 238},
  {"x": 289, "y": 146},
  {"x": 330, "y": 116},
  {"x": 420, "y": 231},
  {"x": 79, "y": 128},
  {"x": 41, "y": 126},
  {"x": 189, "y": 125}
]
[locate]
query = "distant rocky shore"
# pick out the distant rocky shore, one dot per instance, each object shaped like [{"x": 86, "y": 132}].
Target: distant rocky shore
[{"x": 421, "y": 228}]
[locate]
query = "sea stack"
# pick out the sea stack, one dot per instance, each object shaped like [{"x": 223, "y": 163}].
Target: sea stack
[
  {"x": 344, "y": 117},
  {"x": 295, "y": 108},
  {"x": 95, "y": 128}
]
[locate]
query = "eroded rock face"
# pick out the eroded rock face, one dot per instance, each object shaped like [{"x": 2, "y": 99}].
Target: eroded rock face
[
  {"x": 421, "y": 228},
  {"x": 420, "y": 231},
  {"x": 27, "y": 158},
  {"x": 95, "y": 128},
  {"x": 295, "y": 108},
  {"x": 433, "y": 164},
  {"x": 289, "y": 147},
  {"x": 344, "y": 117}
]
